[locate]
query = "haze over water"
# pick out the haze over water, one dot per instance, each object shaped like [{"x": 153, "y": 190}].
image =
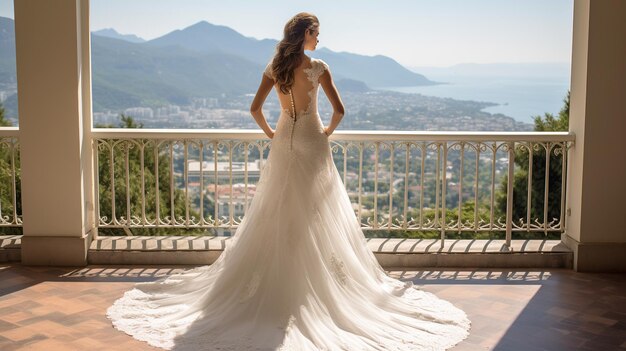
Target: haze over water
[{"x": 521, "y": 95}]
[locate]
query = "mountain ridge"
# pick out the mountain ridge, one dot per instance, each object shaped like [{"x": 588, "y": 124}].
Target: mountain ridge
[
  {"x": 377, "y": 70},
  {"x": 112, "y": 33},
  {"x": 208, "y": 60}
]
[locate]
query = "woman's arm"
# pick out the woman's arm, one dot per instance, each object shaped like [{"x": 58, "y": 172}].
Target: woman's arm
[
  {"x": 326, "y": 80},
  {"x": 257, "y": 105}
]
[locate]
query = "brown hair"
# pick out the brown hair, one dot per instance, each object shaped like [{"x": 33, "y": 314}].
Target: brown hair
[{"x": 287, "y": 54}]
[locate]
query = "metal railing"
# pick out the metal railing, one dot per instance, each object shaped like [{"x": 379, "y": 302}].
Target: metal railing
[
  {"x": 10, "y": 179},
  {"x": 410, "y": 181}
]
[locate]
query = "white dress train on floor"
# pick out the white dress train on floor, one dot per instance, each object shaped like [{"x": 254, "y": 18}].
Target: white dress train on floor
[{"x": 297, "y": 275}]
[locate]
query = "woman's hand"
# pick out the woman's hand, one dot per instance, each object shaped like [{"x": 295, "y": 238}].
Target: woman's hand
[
  {"x": 271, "y": 135},
  {"x": 327, "y": 131}
]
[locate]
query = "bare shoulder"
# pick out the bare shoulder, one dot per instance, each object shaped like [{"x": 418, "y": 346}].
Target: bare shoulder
[{"x": 268, "y": 70}]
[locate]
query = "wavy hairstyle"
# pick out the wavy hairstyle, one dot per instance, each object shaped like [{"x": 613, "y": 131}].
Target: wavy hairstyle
[{"x": 287, "y": 54}]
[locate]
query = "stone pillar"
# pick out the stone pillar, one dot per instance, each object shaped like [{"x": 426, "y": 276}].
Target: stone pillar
[
  {"x": 596, "y": 195},
  {"x": 53, "y": 79}
]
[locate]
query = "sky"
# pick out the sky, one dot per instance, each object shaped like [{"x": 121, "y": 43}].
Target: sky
[{"x": 416, "y": 33}]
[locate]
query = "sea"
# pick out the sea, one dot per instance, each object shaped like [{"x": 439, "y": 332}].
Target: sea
[{"x": 517, "y": 96}]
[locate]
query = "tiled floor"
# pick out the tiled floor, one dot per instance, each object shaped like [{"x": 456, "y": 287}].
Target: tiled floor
[{"x": 49, "y": 308}]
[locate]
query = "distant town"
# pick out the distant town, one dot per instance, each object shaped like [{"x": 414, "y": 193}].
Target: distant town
[{"x": 373, "y": 110}]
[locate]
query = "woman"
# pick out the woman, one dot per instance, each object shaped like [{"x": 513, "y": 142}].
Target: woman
[{"x": 298, "y": 274}]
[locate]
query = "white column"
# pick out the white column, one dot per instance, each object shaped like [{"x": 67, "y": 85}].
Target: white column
[
  {"x": 596, "y": 196},
  {"x": 52, "y": 49}
]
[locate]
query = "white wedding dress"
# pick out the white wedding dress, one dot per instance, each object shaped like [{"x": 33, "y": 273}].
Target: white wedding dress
[{"x": 297, "y": 275}]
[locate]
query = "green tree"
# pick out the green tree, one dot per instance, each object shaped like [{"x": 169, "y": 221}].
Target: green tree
[
  {"x": 547, "y": 123},
  {"x": 132, "y": 149},
  {"x": 3, "y": 121},
  {"x": 8, "y": 152}
]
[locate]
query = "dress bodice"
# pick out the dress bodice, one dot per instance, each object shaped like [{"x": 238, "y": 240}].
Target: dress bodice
[
  {"x": 310, "y": 87},
  {"x": 303, "y": 134}
]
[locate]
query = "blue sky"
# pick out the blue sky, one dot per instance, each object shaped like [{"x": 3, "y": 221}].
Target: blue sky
[{"x": 413, "y": 32}]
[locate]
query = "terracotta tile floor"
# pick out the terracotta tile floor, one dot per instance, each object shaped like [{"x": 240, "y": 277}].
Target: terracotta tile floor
[{"x": 58, "y": 308}]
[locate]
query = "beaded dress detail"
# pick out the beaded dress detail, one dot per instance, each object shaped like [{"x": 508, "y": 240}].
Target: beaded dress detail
[{"x": 297, "y": 274}]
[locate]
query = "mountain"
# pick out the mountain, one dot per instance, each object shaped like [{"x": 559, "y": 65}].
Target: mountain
[
  {"x": 198, "y": 61},
  {"x": 374, "y": 71},
  {"x": 351, "y": 85},
  {"x": 7, "y": 51},
  {"x": 127, "y": 74},
  {"x": 8, "y": 78},
  {"x": 112, "y": 33},
  {"x": 206, "y": 37}
]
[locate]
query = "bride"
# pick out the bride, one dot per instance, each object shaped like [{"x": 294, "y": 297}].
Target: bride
[{"x": 298, "y": 274}]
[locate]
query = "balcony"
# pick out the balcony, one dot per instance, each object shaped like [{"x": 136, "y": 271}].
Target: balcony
[
  {"x": 446, "y": 187},
  {"x": 401, "y": 183},
  {"x": 414, "y": 193},
  {"x": 532, "y": 274}
]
